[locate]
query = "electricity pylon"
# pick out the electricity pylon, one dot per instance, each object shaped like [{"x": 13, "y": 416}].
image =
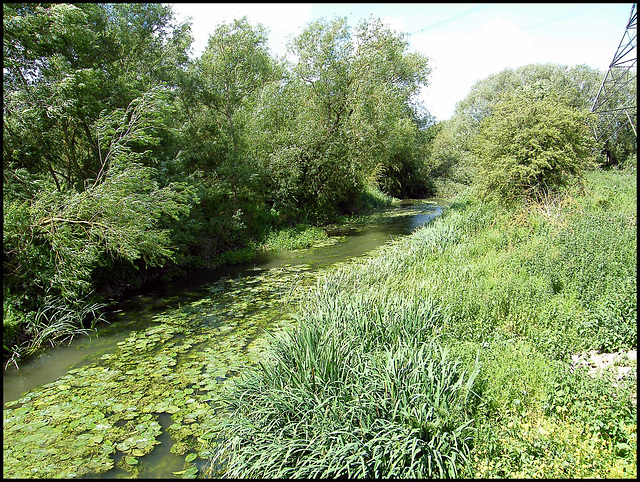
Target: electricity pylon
[{"x": 613, "y": 114}]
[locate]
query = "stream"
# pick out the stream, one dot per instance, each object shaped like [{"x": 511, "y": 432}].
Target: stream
[{"x": 137, "y": 398}]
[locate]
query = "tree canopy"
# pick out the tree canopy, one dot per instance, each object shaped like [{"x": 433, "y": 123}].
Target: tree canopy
[{"x": 453, "y": 152}]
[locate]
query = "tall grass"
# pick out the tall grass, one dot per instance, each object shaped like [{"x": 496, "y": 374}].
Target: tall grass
[
  {"x": 299, "y": 237},
  {"x": 360, "y": 388},
  {"x": 58, "y": 320},
  {"x": 448, "y": 352},
  {"x": 373, "y": 198}
]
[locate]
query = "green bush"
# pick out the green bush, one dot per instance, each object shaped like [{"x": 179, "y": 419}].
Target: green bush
[{"x": 531, "y": 143}]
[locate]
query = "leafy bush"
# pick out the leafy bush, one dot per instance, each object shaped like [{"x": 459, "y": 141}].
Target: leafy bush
[
  {"x": 585, "y": 427},
  {"x": 601, "y": 404},
  {"x": 531, "y": 142}
]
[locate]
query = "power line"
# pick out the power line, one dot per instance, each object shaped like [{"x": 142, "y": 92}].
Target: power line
[
  {"x": 543, "y": 23},
  {"x": 452, "y": 18}
]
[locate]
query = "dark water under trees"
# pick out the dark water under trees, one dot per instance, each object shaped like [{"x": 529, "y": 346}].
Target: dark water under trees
[{"x": 136, "y": 399}]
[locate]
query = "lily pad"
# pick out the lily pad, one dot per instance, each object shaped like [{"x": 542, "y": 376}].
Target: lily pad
[{"x": 190, "y": 472}]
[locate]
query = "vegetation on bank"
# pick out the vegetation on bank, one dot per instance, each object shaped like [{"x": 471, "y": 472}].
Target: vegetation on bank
[
  {"x": 448, "y": 353},
  {"x": 124, "y": 159}
]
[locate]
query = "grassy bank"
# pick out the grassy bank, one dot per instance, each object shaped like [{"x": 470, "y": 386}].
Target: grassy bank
[
  {"x": 453, "y": 351},
  {"x": 303, "y": 236}
]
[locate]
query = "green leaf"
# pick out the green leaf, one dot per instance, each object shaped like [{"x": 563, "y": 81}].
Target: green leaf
[{"x": 190, "y": 472}]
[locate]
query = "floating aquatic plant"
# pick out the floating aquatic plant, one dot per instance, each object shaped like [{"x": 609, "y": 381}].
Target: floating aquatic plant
[{"x": 106, "y": 414}]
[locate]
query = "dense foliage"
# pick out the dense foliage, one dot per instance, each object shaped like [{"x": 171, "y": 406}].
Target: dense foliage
[
  {"x": 454, "y": 352},
  {"x": 529, "y": 144},
  {"x": 86, "y": 104},
  {"x": 453, "y": 153},
  {"x": 124, "y": 159},
  {"x": 447, "y": 354}
]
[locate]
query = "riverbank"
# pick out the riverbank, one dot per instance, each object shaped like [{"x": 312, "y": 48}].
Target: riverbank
[
  {"x": 138, "y": 399},
  {"x": 450, "y": 352},
  {"x": 25, "y": 337}
]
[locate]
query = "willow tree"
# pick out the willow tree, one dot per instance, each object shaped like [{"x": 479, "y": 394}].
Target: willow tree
[
  {"x": 386, "y": 123},
  {"x": 87, "y": 119},
  {"x": 234, "y": 67},
  {"x": 67, "y": 65},
  {"x": 345, "y": 115}
]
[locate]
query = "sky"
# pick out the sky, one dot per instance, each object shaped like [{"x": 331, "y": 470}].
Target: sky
[{"x": 465, "y": 42}]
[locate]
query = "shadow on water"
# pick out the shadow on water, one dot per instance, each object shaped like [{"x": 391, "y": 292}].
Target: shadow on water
[{"x": 138, "y": 312}]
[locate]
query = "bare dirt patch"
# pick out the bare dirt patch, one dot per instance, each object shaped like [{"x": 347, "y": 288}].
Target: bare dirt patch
[{"x": 617, "y": 365}]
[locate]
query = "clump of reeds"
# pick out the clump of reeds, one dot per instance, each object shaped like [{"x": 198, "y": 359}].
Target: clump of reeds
[{"x": 360, "y": 388}]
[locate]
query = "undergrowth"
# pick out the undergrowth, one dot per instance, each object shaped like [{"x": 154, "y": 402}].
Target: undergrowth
[
  {"x": 448, "y": 353},
  {"x": 298, "y": 237}
]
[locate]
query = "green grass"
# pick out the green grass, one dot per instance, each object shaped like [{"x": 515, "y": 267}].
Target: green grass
[
  {"x": 373, "y": 198},
  {"x": 298, "y": 237},
  {"x": 358, "y": 389},
  {"x": 448, "y": 352}
]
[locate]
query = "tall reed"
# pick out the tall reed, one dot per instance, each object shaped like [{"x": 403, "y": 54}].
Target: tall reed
[{"x": 360, "y": 388}]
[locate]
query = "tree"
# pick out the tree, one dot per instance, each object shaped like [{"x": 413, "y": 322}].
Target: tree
[
  {"x": 87, "y": 115},
  {"x": 53, "y": 243},
  {"x": 385, "y": 122},
  {"x": 64, "y": 65},
  {"x": 446, "y": 163},
  {"x": 530, "y": 143},
  {"x": 234, "y": 67},
  {"x": 575, "y": 87},
  {"x": 350, "y": 116},
  {"x": 217, "y": 99}
]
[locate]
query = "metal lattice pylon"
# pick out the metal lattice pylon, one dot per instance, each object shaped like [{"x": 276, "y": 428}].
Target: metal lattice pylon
[{"x": 613, "y": 113}]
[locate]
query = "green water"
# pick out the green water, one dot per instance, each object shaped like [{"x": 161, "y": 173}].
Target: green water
[{"x": 137, "y": 399}]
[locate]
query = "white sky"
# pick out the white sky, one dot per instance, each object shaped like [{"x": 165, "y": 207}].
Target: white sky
[{"x": 465, "y": 42}]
